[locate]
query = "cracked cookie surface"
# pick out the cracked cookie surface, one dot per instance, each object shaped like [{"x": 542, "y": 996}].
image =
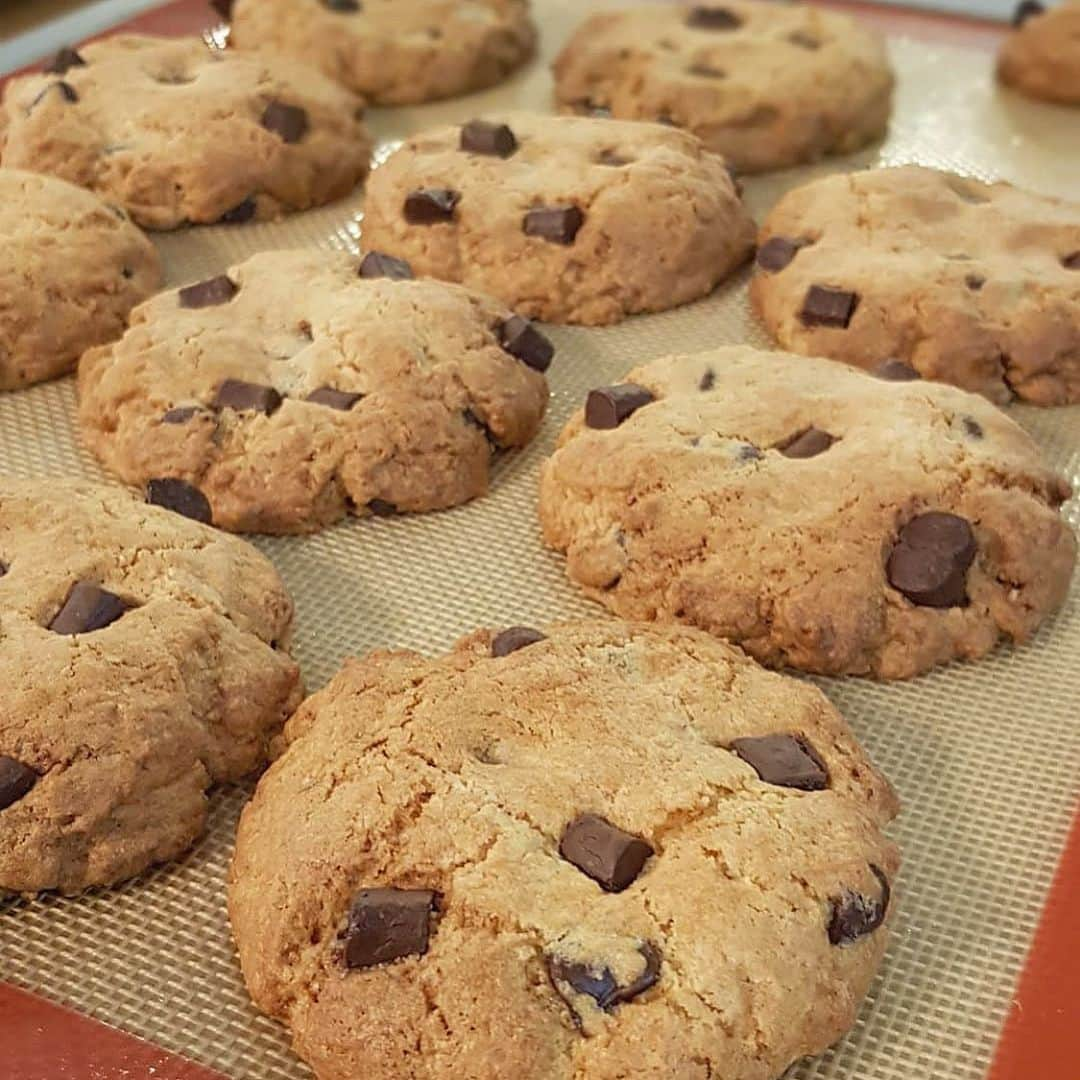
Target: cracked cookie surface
[
  {"x": 565, "y": 219},
  {"x": 970, "y": 283},
  {"x": 144, "y": 658},
  {"x": 818, "y": 516},
  {"x": 612, "y": 850},
  {"x": 1041, "y": 57}
]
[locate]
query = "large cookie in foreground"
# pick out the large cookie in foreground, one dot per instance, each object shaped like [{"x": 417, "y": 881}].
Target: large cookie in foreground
[
  {"x": 816, "y": 515},
  {"x": 613, "y": 851},
  {"x": 1041, "y": 57},
  {"x": 970, "y": 283},
  {"x": 176, "y": 132},
  {"x": 143, "y": 659},
  {"x": 303, "y": 385}
]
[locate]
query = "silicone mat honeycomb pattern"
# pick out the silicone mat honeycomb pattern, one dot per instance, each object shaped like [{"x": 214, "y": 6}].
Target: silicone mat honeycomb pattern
[{"x": 983, "y": 755}]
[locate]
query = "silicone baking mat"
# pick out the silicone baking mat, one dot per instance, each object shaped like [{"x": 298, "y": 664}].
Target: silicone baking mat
[{"x": 985, "y": 756}]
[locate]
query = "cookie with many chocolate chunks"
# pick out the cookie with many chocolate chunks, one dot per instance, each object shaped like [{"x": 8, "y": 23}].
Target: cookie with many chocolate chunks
[
  {"x": 1041, "y": 57},
  {"x": 970, "y": 283},
  {"x": 819, "y": 516},
  {"x": 145, "y": 658},
  {"x": 563, "y": 859},
  {"x": 302, "y": 385}
]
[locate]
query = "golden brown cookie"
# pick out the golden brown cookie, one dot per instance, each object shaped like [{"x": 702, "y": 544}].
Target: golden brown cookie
[{"x": 1041, "y": 57}]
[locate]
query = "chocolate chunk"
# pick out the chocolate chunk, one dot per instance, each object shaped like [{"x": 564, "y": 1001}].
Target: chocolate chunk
[
  {"x": 824, "y": 306},
  {"x": 240, "y": 214},
  {"x": 972, "y": 428},
  {"x": 608, "y": 855},
  {"x": 181, "y": 414},
  {"x": 208, "y": 293},
  {"x": 804, "y": 41},
  {"x": 480, "y": 137},
  {"x": 66, "y": 90},
  {"x": 749, "y": 452},
  {"x": 514, "y": 638},
  {"x": 387, "y": 924},
  {"x": 377, "y": 264},
  {"x": 571, "y": 978},
  {"x": 288, "y": 121},
  {"x": 608, "y": 406},
  {"x": 806, "y": 444},
  {"x": 853, "y": 915},
  {"x": 1071, "y": 262},
  {"x": 707, "y": 380},
  {"x": 341, "y": 400},
  {"x": 3, "y": 569},
  {"x": 16, "y": 780},
  {"x": 223, "y": 8},
  {"x": 247, "y": 397},
  {"x": 88, "y": 607},
  {"x": 930, "y": 560},
  {"x": 706, "y": 71},
  {"x": 777, "y": 252},
  {"x": 382, "y": 508},
  {"x": 713, "y": 18},
  {"x": 784, "y": 760},
  {"x": 429, "y": 206},
  {"x": 180, "y": 497},
  {"x": 612, "y": 159},
  {"x": 893, "y": 370},
  {"x": 1025, "y": 10},
  {"x": 66, "y": 58},
  {"x": 974, "y": 282},
  {"x": 520, "y": 338},
  {"x": 558, "y": 224},
  {"x": 345, "y": 6}
]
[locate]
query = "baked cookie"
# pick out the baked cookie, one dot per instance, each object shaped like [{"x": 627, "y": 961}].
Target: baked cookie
[
  {"x": 394, "y": 52},
  {"x": 1041, "y": 58},
  {"x": 970, "y": 283},
  {"x": 144, "y": 659},
  {"x": 564, "y": 219},
  {"x": 177, "y": 133},
  {"x": 616, "y": 850},
  {"x": 767, "y": 85},
  {"x": 816, "y": 515},
  {"x": 71, "y": 268},
  {"x": 303, "y": 384}
]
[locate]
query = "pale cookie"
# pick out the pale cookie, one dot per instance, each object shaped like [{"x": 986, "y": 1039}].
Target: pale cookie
[
  {"x": 617, "y": 850},
  {"x": 304, "y": 384},
  {"x": 816, "y": 515},
  {"x": 565, "y": 219},
  {"x": 71, "y": 268},
  {"x": 970, "y": 283},
  {"x": 1041, "y": 58},
  {"x": 176, "y": 132},
  {"x": 767, "y": 85},
  {"x": 394, "y": 52},
  {"x": 143, "y": 658}
]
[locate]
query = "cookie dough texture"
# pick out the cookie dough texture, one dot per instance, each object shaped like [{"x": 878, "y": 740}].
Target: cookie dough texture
[
  {"x": 1041, "y": 57},
  {"x": 461, "y": 774},
  {"x": 970, "y": 283},
  {"x": 661, "y": 222},
  {"x": 690, "y": 510},
  {"x": 71, "y": 270},
  {"x": 434, "y": 392},
  {"x": 127, "y": 726},
  {"x": 394, "y": 52},
  {"x": 176, "y": 132},
  {"x": 767, "y": 85}
]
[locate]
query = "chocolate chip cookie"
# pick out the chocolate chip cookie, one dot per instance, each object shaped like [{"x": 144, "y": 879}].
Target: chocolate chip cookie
[
  {"x": 1041, "y": 57},
  {"x": 394, "y": 52},
  {"x": 175, "y": 132},
  {"x": 603, "y": 851},
  {"x": 301, "y": 385},
  {"x": 71, "y": 269},
  {"x": 144, "y": 659},
  {"x": 565, "y": 219},
  {"x": 970, "y": 283},
  {"x": 819, "y": 516},
  {"x": 767, "y": 85}
]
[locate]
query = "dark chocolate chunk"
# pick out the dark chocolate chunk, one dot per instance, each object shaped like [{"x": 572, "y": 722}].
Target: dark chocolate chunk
[
  {"x": 1025, "y": 10},
  {"x": 930, "y": 559},
  {"x": 66, "y": 58},
  {"x": 608, "y": 406},
  {"x": 611, "y": 857},
  {"x": 713, "y": 18},
  {"x": 16, "y": 780},
  {"x": 181, "y": 414},
  {"x": 571, "y": 978},
  {"x": 777, "y": 252},
  {"x": 784, "y": 760},
  {"x": 387, "y": 924},
  {"x": 377, "y": 264},
  {"x": 3, "y": 569},
  {"x": 894, "y": 370},
  {"x": 341, "y": 400},
  {"x": 514, "y": 638},
  {"x": 223, "y": 8},
  {"x": 180, "y": 497},
  {"x": 974, "y": 282},
  {"x": 247, "y": 397},
  {"x": 707, "y": 380},
  {"x": 520, "y": 338},
  {"x": 825, "y": 306},
  {"x": 429, "y": 206},
  {"x": 480, "y": 137},
  {"x": 972, "y": 428},
  {"x": 88, "y": 607},
  {"x": 382, "y": 508},
  {"x": 241, "y": 213},
  {"x": 208, "y": 293},
  {"x": 853, "y": 915},
  {"x": 806, "y": 444},
  {"x": 1071, "y": 262},
  {"x": 612, "y": 159},
  {"x": 288, "y": 121},
  {"x": 804, "y": 40},
  {"x": 347, "y": 7},
  {"x": 557, "y": 224},
  {"x": 749, "y": 452},
  {"x": 706, "y": 71},
  {"x": 66, "y": 91}
]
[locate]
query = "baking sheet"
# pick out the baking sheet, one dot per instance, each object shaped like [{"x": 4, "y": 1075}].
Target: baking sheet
[{"x": 985, "y": 756}]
